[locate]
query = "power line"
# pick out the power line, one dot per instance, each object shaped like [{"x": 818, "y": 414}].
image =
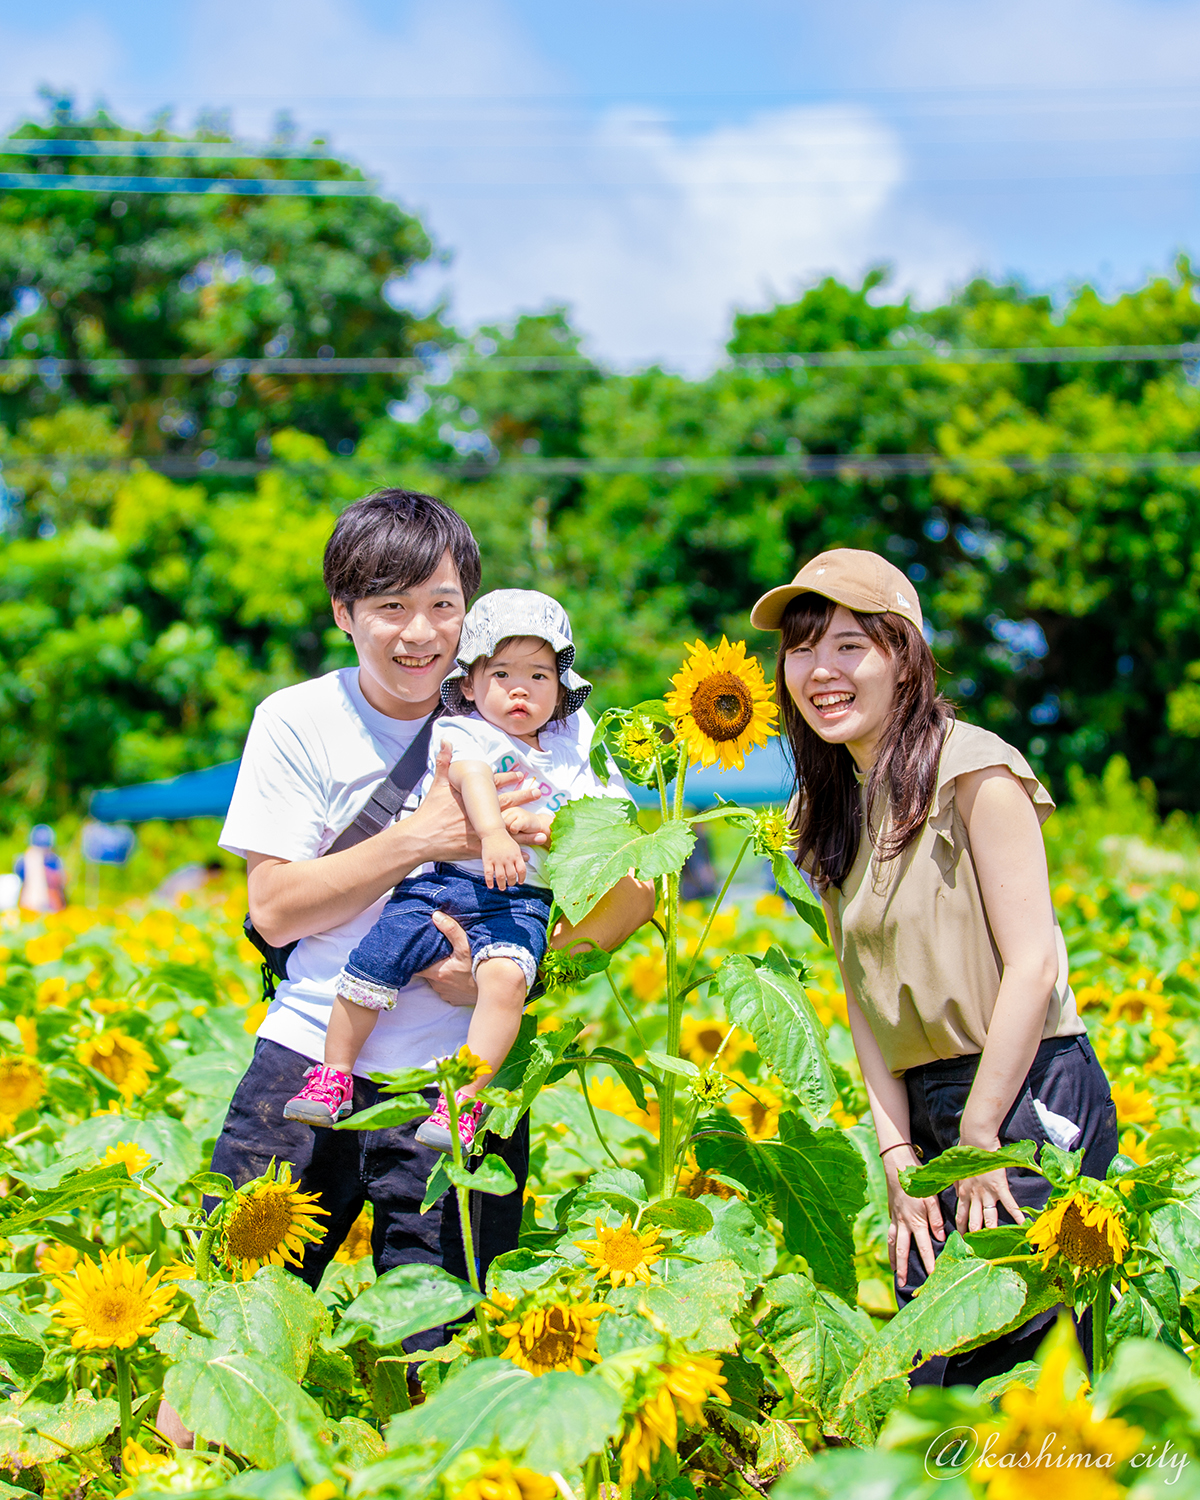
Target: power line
[
  {"x": 253, "y": 187},
  {"x": 176, "y": 150},
  {"x": 844, "y": 466},
  {"x": 446, "y": 362}
]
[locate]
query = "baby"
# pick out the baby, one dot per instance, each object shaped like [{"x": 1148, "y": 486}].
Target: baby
[{"x": 514, "y": 704}]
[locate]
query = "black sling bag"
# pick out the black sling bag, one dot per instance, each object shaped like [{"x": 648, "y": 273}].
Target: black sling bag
[{"x": 382, "y": 806}]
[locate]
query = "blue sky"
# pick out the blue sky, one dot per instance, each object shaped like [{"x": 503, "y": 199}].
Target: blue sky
[{"x": 657, "y": 164}]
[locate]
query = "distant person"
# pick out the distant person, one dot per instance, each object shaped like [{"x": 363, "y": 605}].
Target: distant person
[
  {"x": 923, "y": 835},
  {"x": 43, "y": 884},
  {"x": 515, "y": 704},
  {"x": 186, "y": 880}
]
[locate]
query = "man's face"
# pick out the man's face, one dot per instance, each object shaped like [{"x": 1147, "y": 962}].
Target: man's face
[{"x": 406, "y": 641}]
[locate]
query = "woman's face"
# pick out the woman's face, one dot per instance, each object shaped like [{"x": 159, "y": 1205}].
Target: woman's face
[{"x": 843, "y": 685}]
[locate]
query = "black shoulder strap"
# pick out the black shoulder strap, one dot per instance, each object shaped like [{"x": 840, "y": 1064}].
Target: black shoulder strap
[{"x": 389, "y": 796}]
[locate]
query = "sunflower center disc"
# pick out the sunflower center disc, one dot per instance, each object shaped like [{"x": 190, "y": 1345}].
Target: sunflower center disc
[
  {"x": 722, "y": 706},
  {"x": 1084, "y": 1245}
]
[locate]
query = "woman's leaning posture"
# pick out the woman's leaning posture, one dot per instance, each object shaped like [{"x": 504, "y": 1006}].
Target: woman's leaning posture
[{"x": 923, "y": 836}]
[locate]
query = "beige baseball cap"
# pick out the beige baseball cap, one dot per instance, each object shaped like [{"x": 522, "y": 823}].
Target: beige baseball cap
[{"x": 863, "y": 581}]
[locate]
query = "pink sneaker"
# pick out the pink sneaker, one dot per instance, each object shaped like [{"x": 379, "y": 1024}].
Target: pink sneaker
[
  {"x": 327, "y": 1096},
  {"x": 435, "y": 1132}
]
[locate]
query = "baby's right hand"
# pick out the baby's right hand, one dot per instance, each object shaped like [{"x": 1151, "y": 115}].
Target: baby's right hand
[{"x": 503, "y": 862}]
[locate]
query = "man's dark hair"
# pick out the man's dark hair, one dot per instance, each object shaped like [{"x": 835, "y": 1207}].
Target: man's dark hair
[{"x": 394, "y": 539}]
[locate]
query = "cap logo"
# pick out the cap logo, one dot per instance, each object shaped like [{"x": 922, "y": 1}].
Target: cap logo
[
  {"x": 820, "y": 571},
  {"x": 902, "y": 600}
]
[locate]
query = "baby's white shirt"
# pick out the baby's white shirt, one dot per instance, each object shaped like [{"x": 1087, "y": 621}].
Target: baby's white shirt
[{"x": 560, "y": 769}]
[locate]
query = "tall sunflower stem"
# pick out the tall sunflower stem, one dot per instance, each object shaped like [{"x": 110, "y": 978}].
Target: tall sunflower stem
[
  {"x": 463, "y": 1197},
  {"x": 716, "y": 907},
  {"x": 124, "y": 1395},
  {"x": 674, "y": 1006},
  {"x": 612, "y": 983},
  {"x": 1100, "y": 1324}
]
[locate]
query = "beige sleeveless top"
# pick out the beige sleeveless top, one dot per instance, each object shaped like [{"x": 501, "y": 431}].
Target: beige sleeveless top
[{"x": 912, "y": 933}]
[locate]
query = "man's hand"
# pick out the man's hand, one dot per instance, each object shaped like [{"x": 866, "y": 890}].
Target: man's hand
[{"x": 451, "y": 977}]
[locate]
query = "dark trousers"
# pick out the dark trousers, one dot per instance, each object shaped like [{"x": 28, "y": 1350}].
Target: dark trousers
[
  {"x": 1067, "y": 1078},
  {"x": 349, "y": 1168}
]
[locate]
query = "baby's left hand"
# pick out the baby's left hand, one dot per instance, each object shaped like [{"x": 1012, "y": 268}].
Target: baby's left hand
[{"x": 528, "y": 827}]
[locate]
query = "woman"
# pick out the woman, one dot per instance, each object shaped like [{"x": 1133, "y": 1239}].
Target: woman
[{"x": 923, "y": 836}]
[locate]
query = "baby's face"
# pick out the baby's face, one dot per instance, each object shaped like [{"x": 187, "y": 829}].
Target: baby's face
[{"x": 517, "y": 689}]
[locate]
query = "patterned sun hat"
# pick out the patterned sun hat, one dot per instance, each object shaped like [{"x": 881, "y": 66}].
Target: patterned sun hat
[{"x": 513, "y": 612}]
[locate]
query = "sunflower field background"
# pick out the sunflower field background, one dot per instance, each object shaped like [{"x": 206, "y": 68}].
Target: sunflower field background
[{"x": 737, "y": 1336}]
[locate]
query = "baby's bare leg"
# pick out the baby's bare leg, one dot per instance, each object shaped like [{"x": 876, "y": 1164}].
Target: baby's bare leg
[
  {"x": 497, "y": 1016},
  {"x": 349, "y": 1027}
]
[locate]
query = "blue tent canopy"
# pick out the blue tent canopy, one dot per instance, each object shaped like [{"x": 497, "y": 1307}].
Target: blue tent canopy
[{"x": 765, "y": 779}]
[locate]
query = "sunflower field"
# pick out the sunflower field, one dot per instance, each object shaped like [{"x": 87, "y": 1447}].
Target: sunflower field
[{"x": 701, "y": 1303}]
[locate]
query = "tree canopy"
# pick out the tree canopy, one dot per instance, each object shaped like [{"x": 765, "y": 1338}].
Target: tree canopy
[{"x": 142, "y": 618}]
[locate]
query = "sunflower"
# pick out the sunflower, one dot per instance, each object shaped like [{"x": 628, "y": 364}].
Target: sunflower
[
  {"x": 357, "y": 1244},
  {"x": 773, "y": 831},
  {"x": 700, "y": 1038},
  {"x": 693, "y": 1183},
  {"x": 756, "y": 1106},
  {"x": 1052, "y": 1448},
  {"x": 721, "y": 705},
  {"x": 680, "y": 1397},
  {"x": 113, "y": 1304},
  {"x": 268, "y": 1222},
  {"x": 622, "y": 1255},
  {"x": 27, "y": 1031},
  {"x": 500, "y": 1481},
  {"x": 135, "y": 1157},
  {"x": 138, "y": 1460},
  {"x": 1135, "y": 1106},
  {"x": 22, "y": 1084},
  {"x": 607, "y": 1093},
  {"x": 53, "y": 1259},
  {"x": 122, "y": 1059},
  {"x": 646, "y": 976},
  {"x": 559, "y": 1336},
  {"x": 1086, "y": 1234},
  {"x": 1165, "y": 1052},
  {"x": 640, "y": 744}
]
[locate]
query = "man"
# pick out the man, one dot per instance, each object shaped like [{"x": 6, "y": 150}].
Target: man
[{"x": 400, "y": 569}]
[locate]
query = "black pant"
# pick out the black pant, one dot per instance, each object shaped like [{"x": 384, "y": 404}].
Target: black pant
[
  {"x": 349, "y": 1168},
  {"x": 1067, "y": 1078}
]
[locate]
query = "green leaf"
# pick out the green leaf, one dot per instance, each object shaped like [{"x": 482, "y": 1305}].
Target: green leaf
[
  {"x": 737, "y": 1235},
  {"x": 696, "y": 1306},
  {"x": 387, "y": 1114},
  {"x": 964, "y": 1161},
  {"x": 404, "y": 1081},
  {"x": 965, "y": 1303},
  {"x": 493, "y": 1176},
  {"x": 403, "y": 1301},
  {"x": 242, "y": 1402},
  {"x": 80, "y": 1422},
  {"x": 170, "y": 1143},
  {"x": 729, "y": 810},
  {"x": 74, "y": 1191},
  {"x": 808, "y": 908},
  {"x": 361, "y": 1444},
  {"x": 815, "y": 1178},
  {"x": 548, "y": 1423},
  {"x": 598, "y": 840},
  {"x": 680, "y": 1213},
  {"x": 21, "y": 1345},
  {"x": 770, "y": 1003},
  {"x": 212, "y": 1185},
  {"x": 626, "y": 1069},
  {"x": 682, "y": 1067},
  {"x": 437, "y": 1184},
  {"x": 1149, "y": 1309},
  {"x": 543, "y": 1055},
  {"x": 273, "y": 1317},
  {"x": 623, "y": 1188},
  {"x": 870, "y": 1474},
  {"x": 817, "y": 1338}
]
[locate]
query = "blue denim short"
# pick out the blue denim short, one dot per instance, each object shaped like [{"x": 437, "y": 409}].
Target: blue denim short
[{"x": 499, "y": 924}]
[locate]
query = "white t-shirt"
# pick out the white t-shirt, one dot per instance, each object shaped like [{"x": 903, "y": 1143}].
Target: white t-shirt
[
  {"x": 560, "y": 769},
  {"x": 314, "y": 755}
]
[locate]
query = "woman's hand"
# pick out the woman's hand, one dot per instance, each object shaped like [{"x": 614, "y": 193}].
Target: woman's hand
[
  {"x": 979, "y": 1197},
  {"x": 913, "y": 1220}
]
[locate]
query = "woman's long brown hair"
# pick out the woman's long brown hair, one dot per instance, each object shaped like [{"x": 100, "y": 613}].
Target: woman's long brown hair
[{"x": 826, "y": 795}]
